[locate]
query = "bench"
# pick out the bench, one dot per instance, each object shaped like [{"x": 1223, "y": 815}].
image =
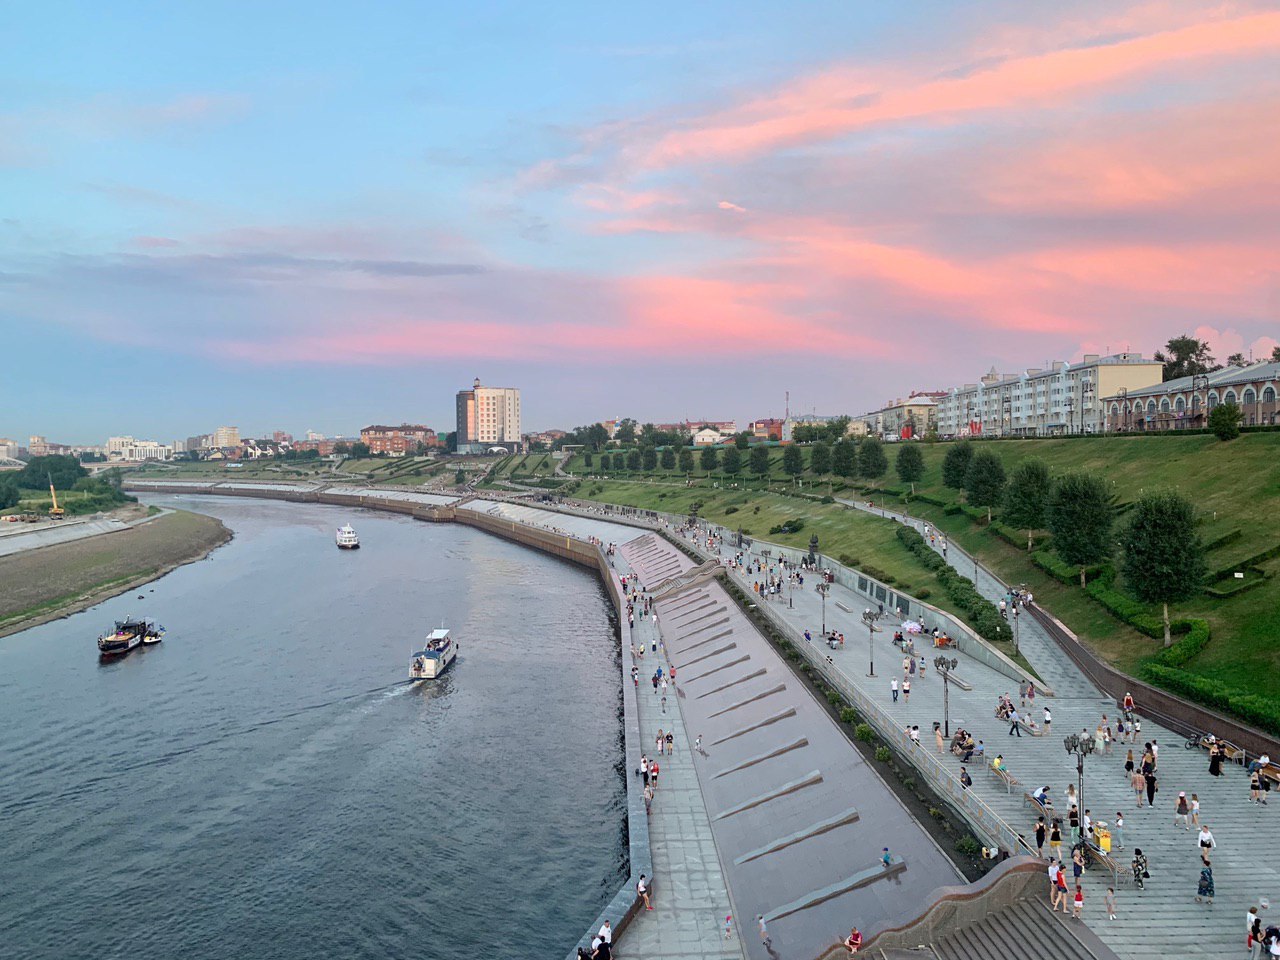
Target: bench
[
  {"x": 1046, "y": 812},
  {"x": 1118, "y": 870},
  {"x": 1005, "y": 777},
  {"x": 1229, "y": 750}
]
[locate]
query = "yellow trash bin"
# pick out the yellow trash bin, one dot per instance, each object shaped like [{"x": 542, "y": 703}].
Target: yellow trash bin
[{"x": 1104, "y": 839}]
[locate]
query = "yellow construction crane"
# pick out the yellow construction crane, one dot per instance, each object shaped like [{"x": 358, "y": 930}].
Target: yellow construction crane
[{"x": 55, "y": 512}]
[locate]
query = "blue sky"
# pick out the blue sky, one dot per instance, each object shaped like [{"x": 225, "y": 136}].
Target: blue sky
[{"x": 320, "y": 215}]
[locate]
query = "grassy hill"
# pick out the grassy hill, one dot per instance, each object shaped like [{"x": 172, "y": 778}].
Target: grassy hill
[{"x": 1235, "y": 487}]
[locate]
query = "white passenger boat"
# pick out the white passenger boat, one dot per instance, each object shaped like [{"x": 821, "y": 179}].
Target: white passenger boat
[
  {"x": 435, "y": 656},
  {"x": 347, "y": 539}
]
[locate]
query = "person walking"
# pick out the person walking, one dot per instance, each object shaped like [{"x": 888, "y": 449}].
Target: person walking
[
  {"x": 1117, "y": 832},
  {"x": 1041, "y": 834},
  {"x": 1195, "y": 810},
  {"x": 1055, "y": 870},
  {"x": 1255, "y": 787},
  {"x": 1055, "y": 838},
  {"x": 1150, "y": 781},
  {"x": 1204, "y": 889},
  {"x": 966, "y": 781},
  {"x": 1014, "y": 726},
  {"x": 653, "y": 774},
  {"x": 937, "y": 738},
  {"x": 893, "y": 689},
  {"x": 1140, "y": 872},
  {"x": 697, "y": 743},
  {"x": 764, "y": 933},
  {"x": 906, "y": 691},
  {"x": 1182, "y": 812},
  {"x": 1110, "y": 900},
  {"x": 642, "y": 891},
  {"x": 671, "y": 744},
  {"x": 1215, "y": 759},
  {"x": 1075, "y": 914},
  {"x": 1207, "y": 843},
  {"x": 660, "y": 740},
  {"x": 1048, "y": 722},
  {"x": 1139, "y": 785},
  {"x": 644, "y": 768},
  {"x": 1063, "y": 894}
]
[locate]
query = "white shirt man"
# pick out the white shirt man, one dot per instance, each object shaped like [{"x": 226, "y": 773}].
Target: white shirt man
[{"x": 605, "y": 932}]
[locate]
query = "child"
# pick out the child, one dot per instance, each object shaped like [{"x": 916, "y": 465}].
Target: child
[
  {"x": 1111, "y": 903},
  {"x": 1079, "y": 903},
  {"x": 728, "y": 926},
  {"x": 885, "y": 858}
]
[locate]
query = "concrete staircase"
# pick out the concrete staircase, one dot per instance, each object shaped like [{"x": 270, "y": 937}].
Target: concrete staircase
[
  {"x": 674, "y": 586},
  {"x": 1025, "y": 929}
]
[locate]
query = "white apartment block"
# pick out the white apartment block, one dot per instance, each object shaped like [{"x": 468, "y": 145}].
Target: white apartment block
[
  {"x": 488, "y": 417},
  {"x": 1064, "y": 398}
]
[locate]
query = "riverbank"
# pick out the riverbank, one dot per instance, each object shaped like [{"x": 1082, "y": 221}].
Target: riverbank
[{"x": 65, "y": 578}]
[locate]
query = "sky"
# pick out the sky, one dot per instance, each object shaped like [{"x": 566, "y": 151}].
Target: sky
[{"x": 322, "y": 215}]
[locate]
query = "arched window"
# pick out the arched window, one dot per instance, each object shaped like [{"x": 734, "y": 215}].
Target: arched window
[
  {"x": 1151, "y": 406},
  {"x": 1115, "y": 409},
  {"x": 1180, "y": 404},
  {"x": 1213, "y": 400},
  {"x": 1249, "y": 398},
  {"x": 1269, "y": 395},
  {"x": 1229, "y": 397},
  {"x": 1164, "y": 405}
]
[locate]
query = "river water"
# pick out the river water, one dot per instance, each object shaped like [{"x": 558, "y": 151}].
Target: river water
[{"x": 263, "y": 784}]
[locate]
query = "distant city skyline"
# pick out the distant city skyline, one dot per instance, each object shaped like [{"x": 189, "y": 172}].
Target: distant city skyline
[{"x": 295, "y": 216}]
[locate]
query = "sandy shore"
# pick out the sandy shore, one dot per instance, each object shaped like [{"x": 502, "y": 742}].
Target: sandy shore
[{"x": 62, "y": 579}]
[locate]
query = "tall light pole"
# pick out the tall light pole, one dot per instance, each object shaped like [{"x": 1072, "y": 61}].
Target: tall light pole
[
  {"x": 823, "y": 589},
  {"x": 944, "y": 665},
  {"x": 869, "y": 617},
  {"x": 1080, "y": 745},
  {"x": 1070, "y": 403}
]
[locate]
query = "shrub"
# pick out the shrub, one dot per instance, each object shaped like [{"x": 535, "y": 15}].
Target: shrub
[
  {"x": 834, "y": 698},
  {"x": 968, "y": 846},
  {"x": 727, "y": 510},
  {"x": 864, "y": 733},
  {"x": 883, "y": 754},
  {"x": 848, "y": 715},
  {"x": 848, "y": 560},
  {"x": 923, "y": 593},
  {"x": 794, "y": 525}
]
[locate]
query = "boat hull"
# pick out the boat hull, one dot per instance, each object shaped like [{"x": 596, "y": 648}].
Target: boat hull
[{"x": 348, "y": 546}]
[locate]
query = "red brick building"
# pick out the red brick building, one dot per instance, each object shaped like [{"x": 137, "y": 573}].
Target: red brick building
[{"x": 397, "y": 441}]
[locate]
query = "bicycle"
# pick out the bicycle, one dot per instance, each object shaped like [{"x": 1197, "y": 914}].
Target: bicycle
[{"x": 1196, "y": 740}]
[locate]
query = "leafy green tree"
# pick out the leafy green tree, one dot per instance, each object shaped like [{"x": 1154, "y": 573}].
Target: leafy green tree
[
  {"x": 342, "y": 448},
  {"x": 910, "y": 464},
  {"x": 634, "y": 460},
  {"x": 844, "y": 459},
  {"x": 793, "y": 460},
  {"x": 649, "y": 458},
  {"x": 1185, "y": 356},
  {"x": 62, "y": 471},
  {"x": 625, "y": 433},
  {"x": 1026, "y": 498},
  {"x": 820, "y": 458},
  {"x": 984, "y": 481},
  {"x": 708, "y": 459},
  {"x": 835, "y": 431},
  {"x": 587, "y": 458},
  {"x": 1081, "y": 513},
  {"x": 955, "y": 465},
  {"x": 9, "y": 494},
  {"x": 359, "y": 449},
  {"x": 1224, "y": 421},
  {"x": 459, "y": 478},
  {"x": 759, "y": 460},
  {"x": 742, "y": 440},
  {"x": 685, "y": 460},
  {"x": 1275, "y": 354},
  {"x": 451, "y": 441},
  {"x": 648, "y": 435},
  {"x": 1237, "y": 360},
  {"x": 872, "y": 463},
  {"x": 668, "y": 459},
  {"x": 731, "y": 461},
  {"x": 1163, "y": 557}
]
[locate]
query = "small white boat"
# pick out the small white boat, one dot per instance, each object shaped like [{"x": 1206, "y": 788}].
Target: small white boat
[
  {"x": 435, "y": 656},
  {"x": 347, "y": 539}
]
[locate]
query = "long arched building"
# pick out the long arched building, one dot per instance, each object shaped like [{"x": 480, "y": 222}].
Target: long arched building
[{"x": 1184, "y": 403}]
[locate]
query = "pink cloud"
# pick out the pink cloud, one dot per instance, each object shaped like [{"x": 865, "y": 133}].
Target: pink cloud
[{"x": 726, "y": 205}]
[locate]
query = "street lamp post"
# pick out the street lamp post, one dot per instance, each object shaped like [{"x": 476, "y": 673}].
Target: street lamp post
[
  {"x": 944, "y": 666},
  {"x": 1079, "y": 745},
  {"x": 1070, "y": 404},
  {"x": 823, "y": 589},
  {"x": 869, "y": 617}
]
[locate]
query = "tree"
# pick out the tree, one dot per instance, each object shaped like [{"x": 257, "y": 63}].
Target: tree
[
  {"x": 668, "y": 459},
  {"x": 649, "y": 459},
  {"x": 708, "y": 461},
  {"x": 742, "y": 440},
  {"x": 114, "y": 476},
  {"x": 1026, "y": 498},
  {"x": 820, "y": 458},
  {"x": 587, "y": 459},
  {"x": 359, "y": 449},
  {"x": 955, "y": 465},
  {"x": 9, "y": 494},
  {"x": 459, "y": 478},
  {"x": 685, "y": 460},
  {"x": 1237, "y": 360},
  {"x": 844, "y": 459},
  {"x": 633, "y": 460},
  {"x": 62, "y": 471},
  {"x": 731, "y": 461},
  {"x": 1081, "y": 512},
  {"x": 625, "y": 433},
  {"x": 759, "y": 460},
  {"x": 1275, "y": 354},
  {"x": 1185, "y": 356},
  {"x": 342, "y": 448},
  {"x": 451, "y": 441},
  {"x": 910, "y": 465},
  {"x": 1163, "y": 557},
  {"x": 835, "y": 430},
  {"x": 1224, "y": 421},
  {"x": 872, "y": 463},
  {"x": 648, "y": 435},
  {"x": 984, "y": 481},
  {"x": 793, "y": 460}
]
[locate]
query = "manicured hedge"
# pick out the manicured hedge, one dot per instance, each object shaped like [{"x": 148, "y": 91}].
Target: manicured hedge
[
  {"x": 1015, "y": 537},
  {"x": 932, "y": 501},
  {"x": 1231, "y": 536},
  {"x": 1249, "y": 707},
  {"x": 1236, "y": 587},
  {"x": 981, "y": 612},
  {"x": 1226, "y": 573},
  {"x": 1064, "y": 572}
]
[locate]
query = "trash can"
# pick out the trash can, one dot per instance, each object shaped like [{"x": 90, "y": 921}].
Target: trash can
[{"x": 1103, "y": 837}]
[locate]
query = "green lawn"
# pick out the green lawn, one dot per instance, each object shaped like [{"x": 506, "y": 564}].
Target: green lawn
[{"x": 1234, "y": 486}]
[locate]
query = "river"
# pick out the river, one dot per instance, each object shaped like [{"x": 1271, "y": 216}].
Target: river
[{"x": 263, "y": 784}]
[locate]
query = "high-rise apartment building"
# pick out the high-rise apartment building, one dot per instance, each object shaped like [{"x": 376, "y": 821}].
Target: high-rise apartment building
[
  {"x": 488, "y": 417},
  {"x": 226, "y": 437}
]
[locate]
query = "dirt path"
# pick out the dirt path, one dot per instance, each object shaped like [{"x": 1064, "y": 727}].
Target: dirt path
[{"x": 58, "y": 580}]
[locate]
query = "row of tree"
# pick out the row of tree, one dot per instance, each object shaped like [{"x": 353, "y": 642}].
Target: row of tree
[
  {"x": 1162, "y": 557},
  {"x": 1187, "y": 356}
]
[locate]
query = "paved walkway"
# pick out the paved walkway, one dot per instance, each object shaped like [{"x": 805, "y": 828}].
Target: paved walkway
[
  {"x": 1163, "y": 919},
  {"x": 690, "y": 901}
]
